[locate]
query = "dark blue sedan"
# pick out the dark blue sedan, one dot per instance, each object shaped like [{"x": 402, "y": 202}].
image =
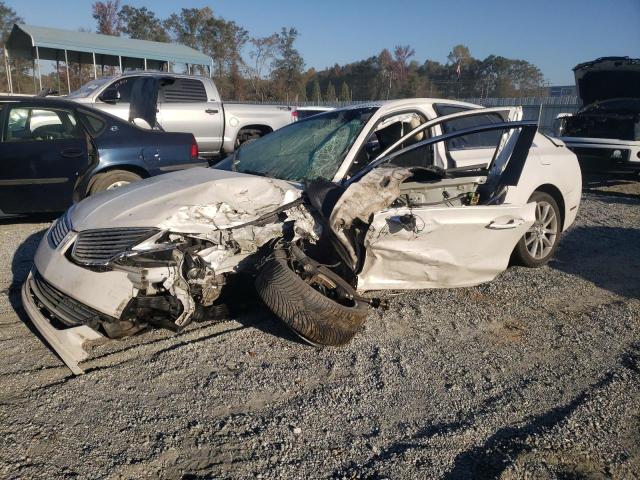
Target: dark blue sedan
[{"x": 55, "y": 152}]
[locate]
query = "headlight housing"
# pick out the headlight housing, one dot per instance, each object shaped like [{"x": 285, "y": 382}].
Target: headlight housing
[
  {"x": 60, "y": 228},
  {"x": 156, "y": 250}
]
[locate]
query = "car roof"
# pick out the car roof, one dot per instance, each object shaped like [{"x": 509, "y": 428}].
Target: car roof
[
  {"x": 40, "y": 100},
  {"x": 393, "y": 105}
]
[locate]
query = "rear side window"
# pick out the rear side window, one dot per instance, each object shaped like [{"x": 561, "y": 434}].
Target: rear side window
[
  {"x": 40, "y": 124},
  {"x": 184, "y": 90},
  {"x": 475, "y": 140},
  {"x": 94, "y": 124}
]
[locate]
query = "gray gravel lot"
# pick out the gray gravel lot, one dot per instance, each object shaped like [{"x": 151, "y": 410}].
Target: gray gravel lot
[{"x": 536, "y": 375}]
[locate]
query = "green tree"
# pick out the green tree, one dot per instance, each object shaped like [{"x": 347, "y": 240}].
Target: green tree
[
  {"x": 330, "y": 93},
  {"x": 287, "y": 71},
  {"x": 189, "y": 26},
  {"x": 142, "y": 24},
  {"x": 345, "y": 95},
  {"x": 8, "y": 17},
  {"x": 459, "y": 53},
  {"x": 263, "y": 51},
  {"x": 106, "y": 15},
  {"x": 315, "y": 91}
]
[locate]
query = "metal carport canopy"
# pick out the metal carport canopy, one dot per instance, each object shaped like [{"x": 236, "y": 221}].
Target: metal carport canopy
[{"x": 53, "y": 41}]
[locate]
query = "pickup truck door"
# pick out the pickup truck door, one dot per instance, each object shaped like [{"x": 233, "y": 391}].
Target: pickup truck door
[
  {"x": 184, "y": 106},
  {"x": 115, "y": 98},
  {"x": 43, "y": 151}
]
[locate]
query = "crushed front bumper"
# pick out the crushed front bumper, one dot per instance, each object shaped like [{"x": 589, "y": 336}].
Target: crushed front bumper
[{"x": 67, "y": 342}]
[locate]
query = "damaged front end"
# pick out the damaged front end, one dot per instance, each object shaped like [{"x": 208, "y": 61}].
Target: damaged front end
[{"x": 174, "y": 277}]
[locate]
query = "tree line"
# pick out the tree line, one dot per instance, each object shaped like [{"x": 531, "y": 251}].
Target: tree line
[{"x": 271, "y": 68}]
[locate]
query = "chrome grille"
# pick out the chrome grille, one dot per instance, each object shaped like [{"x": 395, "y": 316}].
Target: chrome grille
[
  {"x": 64, "y": 308},
  {"x": 97, "y": 247},
  {"x": 59, "y": 230}
]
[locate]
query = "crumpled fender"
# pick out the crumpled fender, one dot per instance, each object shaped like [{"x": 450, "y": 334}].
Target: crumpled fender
[{"x": 375, "y": 191}]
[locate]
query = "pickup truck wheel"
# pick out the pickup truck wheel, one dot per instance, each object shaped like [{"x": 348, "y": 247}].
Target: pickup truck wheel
[
  {"x": 113, "y": 179},
  {"x": 319, "y": 306},
  {"x": 246, "y": 136},
  {"x": 537, "y": 246}
]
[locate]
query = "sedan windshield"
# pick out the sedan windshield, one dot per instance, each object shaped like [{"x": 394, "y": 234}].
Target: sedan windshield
[
  {"x": 307, "y": 149},
  {"x": 88, "y": 88}
]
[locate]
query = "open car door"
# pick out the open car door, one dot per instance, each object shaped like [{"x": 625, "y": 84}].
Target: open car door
[
  {"x": 143, "y": 106},
  {"x": 430, "y": 227}
]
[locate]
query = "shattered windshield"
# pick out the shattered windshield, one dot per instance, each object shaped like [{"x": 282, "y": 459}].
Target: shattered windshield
[
  {"x": 307, "y": 149},
  {"x": 88, "y": 88}
]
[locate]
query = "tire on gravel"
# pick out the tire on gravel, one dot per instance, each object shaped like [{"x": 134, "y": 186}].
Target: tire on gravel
[{"x": 316, "y": 318}]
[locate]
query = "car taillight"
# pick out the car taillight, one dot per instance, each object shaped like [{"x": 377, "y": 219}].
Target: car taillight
[
  {"x": 194, "y": 149},
  {"x": 294, "y": 115}
]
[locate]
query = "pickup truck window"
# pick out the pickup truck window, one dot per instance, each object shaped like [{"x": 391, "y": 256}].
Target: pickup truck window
[
  {"x": 184, "y": 90},
  {"x": 305, "y": 150},
  {"x": 89, "y": 88}
]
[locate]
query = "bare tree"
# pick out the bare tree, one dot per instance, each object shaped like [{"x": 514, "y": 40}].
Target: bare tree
[
  {"x": 263, "y": 52},
  {"x": 106, "y": 14},
  {"x": 401, "y": 55}
]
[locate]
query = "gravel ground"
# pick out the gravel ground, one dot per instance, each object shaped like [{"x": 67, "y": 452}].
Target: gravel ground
[{"x": 536, "y": 375}]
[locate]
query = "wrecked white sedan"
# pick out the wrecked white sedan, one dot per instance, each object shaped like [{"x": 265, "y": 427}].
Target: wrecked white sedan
[{"x": 405, "y": 194}]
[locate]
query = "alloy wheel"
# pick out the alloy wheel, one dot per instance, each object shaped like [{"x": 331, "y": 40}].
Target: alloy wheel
[{"x": 541, "y": 237}]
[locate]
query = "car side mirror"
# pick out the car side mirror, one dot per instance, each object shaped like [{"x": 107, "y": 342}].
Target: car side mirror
[{"x": 110, "y": 95}]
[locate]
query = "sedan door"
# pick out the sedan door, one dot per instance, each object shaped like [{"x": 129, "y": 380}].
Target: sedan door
[
  {"x": 185, "y": 107},
  {"x": 43, "y": 151},
  {"x": 475, "y": 148},
  {"x": 438, "y": 228}
]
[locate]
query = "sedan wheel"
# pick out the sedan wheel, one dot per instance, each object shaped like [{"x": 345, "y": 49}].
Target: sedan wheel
[
  {"x": 119, "y": 184},
  {"x": 112, "y": 179},
  {"x": 541, "y": 237},
  {"x": 536, "y": 247}
]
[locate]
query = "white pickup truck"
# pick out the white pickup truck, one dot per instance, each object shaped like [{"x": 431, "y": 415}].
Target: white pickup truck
[{"x": 191, "y": 104}]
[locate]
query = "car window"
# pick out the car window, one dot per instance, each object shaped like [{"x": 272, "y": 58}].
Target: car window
[
  {"x": 422, "y": 155},
  {"x": 123, "y": 86},
  {"x": 183, "y": 90},
  {"x": 305, "y": 150},
  {"x": 29, "y": 124},
  {"x": 475, "y": 140},
  {"x": 94, "y": 124},
  {"x": 387, "y": 131}
]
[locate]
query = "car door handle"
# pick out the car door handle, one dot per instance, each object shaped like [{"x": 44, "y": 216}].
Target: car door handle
[
  {"x": 502, "y": 225},
  {"x": 211, "y": 111},
  {"x": 71, "y": 152}
]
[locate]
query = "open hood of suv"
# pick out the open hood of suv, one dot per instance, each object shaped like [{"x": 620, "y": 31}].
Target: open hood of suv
[{"x": 606, "y": 78}]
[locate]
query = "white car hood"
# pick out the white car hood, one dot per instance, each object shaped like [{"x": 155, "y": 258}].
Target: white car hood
[{"x": 196, "y": 200}]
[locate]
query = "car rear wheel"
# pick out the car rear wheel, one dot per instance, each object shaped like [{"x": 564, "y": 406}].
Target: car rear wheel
[
  {"x": 537, "y": 246},
  {"x": 312, "y": 300},
  {"x": 113, "y": 179}
]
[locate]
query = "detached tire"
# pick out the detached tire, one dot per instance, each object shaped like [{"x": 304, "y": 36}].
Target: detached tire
[
  {"x": 113, "y": 179},
  {"x": 315, "y": 317}
]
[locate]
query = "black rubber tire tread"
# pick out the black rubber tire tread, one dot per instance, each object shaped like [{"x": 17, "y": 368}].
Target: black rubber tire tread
[
  {"x": 103, "y": 180},
  {"x": 314, "y": 317},
  {"x": 521, "y": 255}
]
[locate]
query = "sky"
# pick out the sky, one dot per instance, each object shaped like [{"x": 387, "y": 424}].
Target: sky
[{"x": 553, "y": 35}]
